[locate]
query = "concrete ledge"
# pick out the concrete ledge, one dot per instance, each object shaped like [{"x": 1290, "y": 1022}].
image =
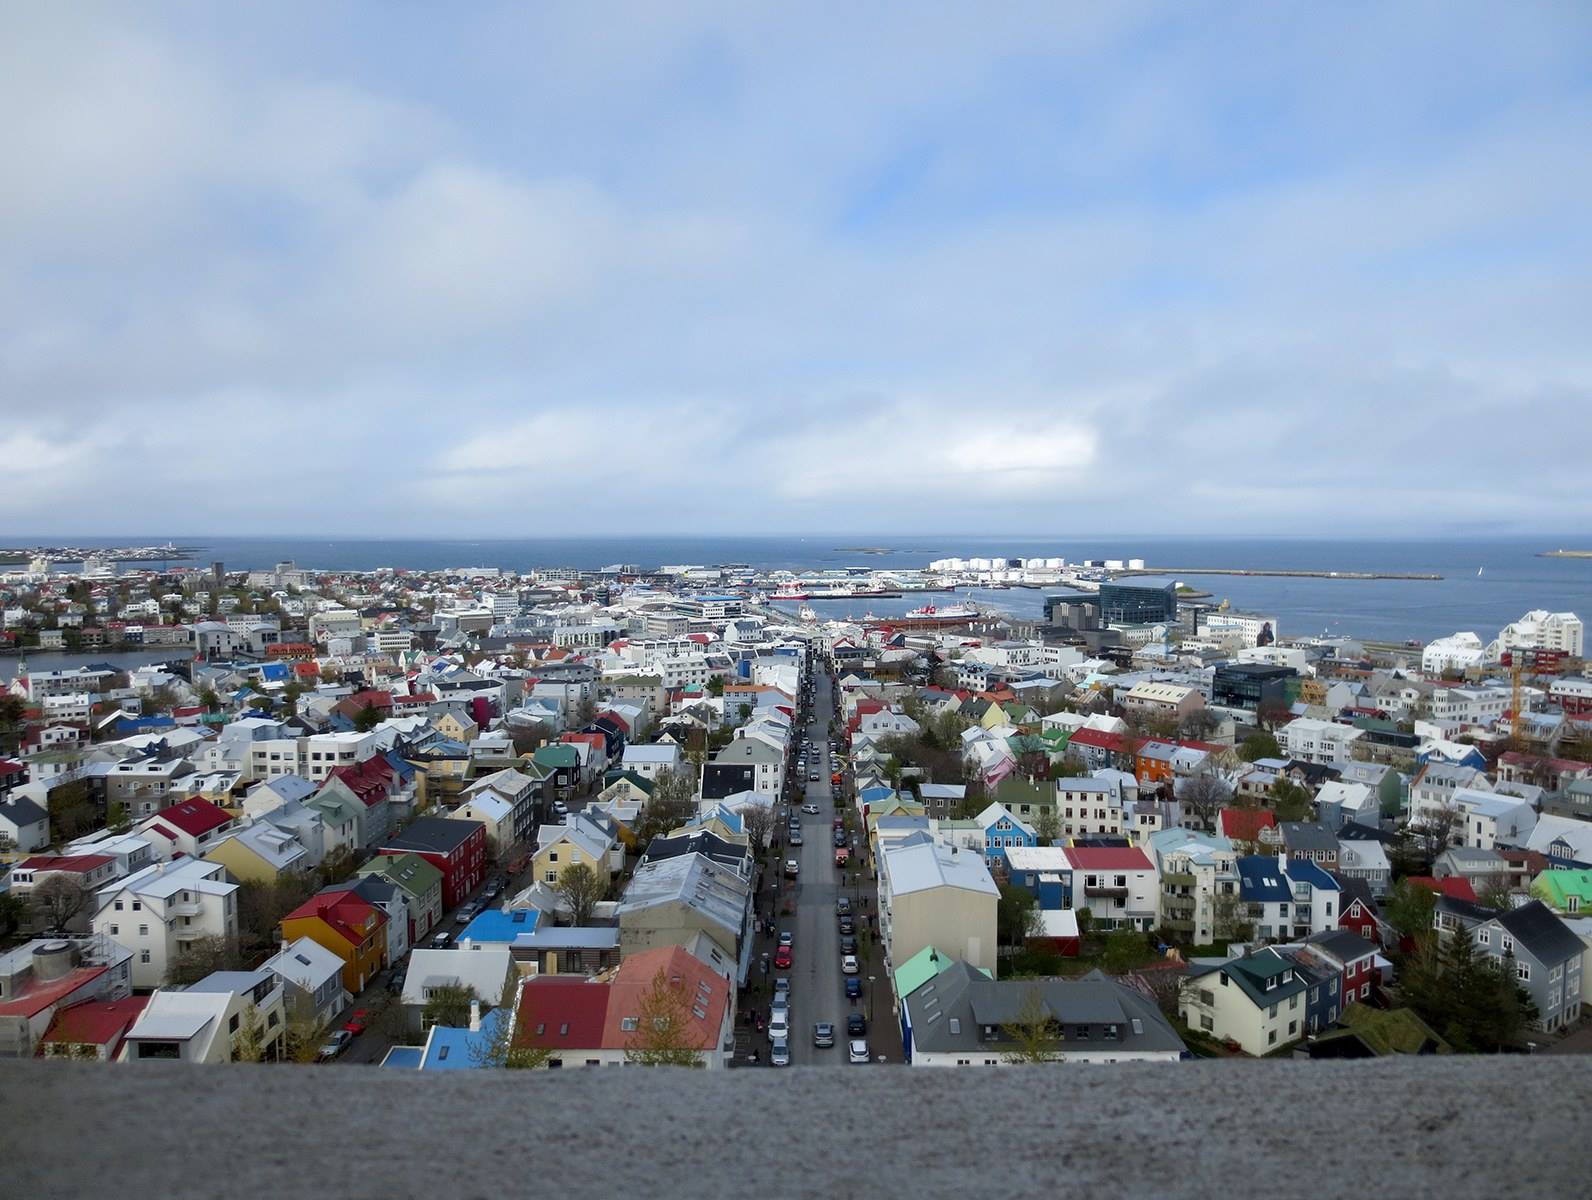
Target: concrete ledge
[{"x": 1453, "y": 1127}]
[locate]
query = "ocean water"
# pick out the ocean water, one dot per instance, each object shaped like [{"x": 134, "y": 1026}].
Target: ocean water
[{"x": 1513, "y": 578}]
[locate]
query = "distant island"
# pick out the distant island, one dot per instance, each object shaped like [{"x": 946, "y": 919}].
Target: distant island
[
  {"x": 863, "y": 550},
  {"x": 1565, "y": 554}
]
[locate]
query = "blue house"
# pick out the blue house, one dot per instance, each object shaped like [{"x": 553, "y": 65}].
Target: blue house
[
  {"x": 1002, "y": 831},
  {"x": 499, "y": 926},
  {"x": 450, "y": 1049}
]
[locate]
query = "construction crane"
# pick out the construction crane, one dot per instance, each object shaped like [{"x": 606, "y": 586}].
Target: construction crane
[{"x": 1518, "y": 660}]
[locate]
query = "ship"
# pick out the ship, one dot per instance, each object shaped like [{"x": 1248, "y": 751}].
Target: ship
[
  {"x": 929, "y": 614},
  {"x": 788, "y": 591}
]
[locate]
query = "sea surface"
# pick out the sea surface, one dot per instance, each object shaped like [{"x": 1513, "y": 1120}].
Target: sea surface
[{"x": 1512, "y": 579}]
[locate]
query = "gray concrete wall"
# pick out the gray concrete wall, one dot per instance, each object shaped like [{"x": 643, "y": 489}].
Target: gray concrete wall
[{"x": 1454, "y": 1127}]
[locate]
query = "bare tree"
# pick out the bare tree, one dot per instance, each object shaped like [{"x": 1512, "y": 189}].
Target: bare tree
[
  {"x": 1204, "y": 796},
  {"x": 201, "y": 957},
  {"x": 672, "y": 804},
  {"x": 1436, "y": 829},
  {"x": 1034, "y": 1034},
  {"x": 58, "y": 899},
  {"x": 498, "y": 1048},
  {"x": 758, "y": 820},
  {"x": 581, "y": 888},
  {"x": 1047, "y": 825},
  {"x": 662, "y": 1037}
]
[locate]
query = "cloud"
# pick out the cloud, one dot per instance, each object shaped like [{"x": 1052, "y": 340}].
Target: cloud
[{"x": 725, "y": 270}]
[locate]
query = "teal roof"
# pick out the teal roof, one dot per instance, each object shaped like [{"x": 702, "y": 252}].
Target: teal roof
[{"x": 561, "y": 755}]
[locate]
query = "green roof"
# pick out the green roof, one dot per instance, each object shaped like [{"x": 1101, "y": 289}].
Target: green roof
[
  {"x": 920, "y": 968},
  {"x": 1386, "y": 1031},
  {"x": 1555, "y": 887},
  {"x": 410, "y": 872},
  {"x": 561, "y": 755},
  {"x": 1013, "y": 790}
]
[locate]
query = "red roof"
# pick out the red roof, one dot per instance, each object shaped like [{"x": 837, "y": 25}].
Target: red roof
[
  {"x": 1245, "y": 824},
  {"x": 591, "y": 739},
  {"x": 35, "y": 997},
  {"x": 96, "y": 1022},
  {"x": 1098, "y": 738},
  {"x": 561, "y": 1011},
  {"x": 1454, "y": 887},
  {"x": 349, "y": 914},
  {"x": 195, "y": 817},
  {"x": 1107, "y": 858},
  {"x": 83, "y": 863},
  {"x": 9, "y": 766},
  {"x": 368, "y": 780}
]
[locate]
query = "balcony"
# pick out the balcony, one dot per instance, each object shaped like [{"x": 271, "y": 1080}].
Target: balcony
[
  {"x": 1101, "y": 889},
  {"x": 1178, "y": 925},
  {"x": 1178, "y": 904},
  {"x": 1179, "y": 879}
]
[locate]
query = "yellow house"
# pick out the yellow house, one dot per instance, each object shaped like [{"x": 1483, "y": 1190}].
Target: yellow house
[
  {"x": 260, "y": 853},
  {"x": 567, "y": 845},
  {"x": 993, "y": 715}
]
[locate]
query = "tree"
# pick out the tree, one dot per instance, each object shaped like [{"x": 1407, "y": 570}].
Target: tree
[
  {"x": 1495, "y": 892},
  {"x": 672, "y": 804},
  {"x": 201, "y": 957},
  {"x": 261, "y": 907},
  {"x": 1473, "y": 1001},
  {"x": 58, "y": 899},
  {"x": 1125, "y": 949},
  {"x": 527, "y": 738},
  {"x": 1034, "y": 1033},
  {"x": 1272, "y": 713},
  {"x": 1198, "y": 724},
  {"x": 249, "y": 1044},
  {"x": 1436, "y": 829},
  {"x": 716, "y": 685},
  {"x": 497, "y": 1048},
  {"x": 13, "y": 911},
  {"x": 208, "y": 698},
  {"x": 1016, "y": 915},
  {"x": 759, "y": 820},
  {"x": 367, "y": 718},
  {"x": 1408, "y": 908},
  {"x": 116, "y": 816},
  {"x": 662, "y": 1037},
  {"x": 1259, "y": 745},
  {"x": 301, "y": 1041},
  {"x": 1047, "y": 825},
  {"x": 1230, "y": 918},
  {"x": 580, "y": 888},
  {"x": 1204, "y": 796},
  {"x": 1290, "y": 801},
  {"x": 72, "y": 813},
  {"x": 448, "y": 1005}
]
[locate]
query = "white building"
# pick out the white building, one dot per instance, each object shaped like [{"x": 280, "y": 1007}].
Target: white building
[
  {"x": 1540, "y": 630},
  {"x": 1316, "y": 741},
  {"x": 158, "y": 910},
  {"x": 1457, "y": 652}
]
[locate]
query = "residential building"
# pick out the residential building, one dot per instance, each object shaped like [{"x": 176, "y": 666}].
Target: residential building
[
  {"x": 1545, "y": 955},
  {"x": 348, "y": 925},
  {"x": 1256, "y": 1002},
  {"x": 671, "y": 901},
  {"x": 46, "y": 976},
  {"x": 581, "y": 840},
  {"x": 1310, "y": 740},
  {"x": 421, "y": 883},
  {"x": 1119, "y": 886},
  {"x": 1088, "y": 805},
  {"x": 312, "y": 979},
  {"x": 1199, "y": 883},
  {"x": 1287, "y": 898},
  {"x": 260, "y": 853},
  {"x": 157, "y": 911},
  {"x": 482, "y": 968},
  {"x": 456, "y": 848},
  {"x": 934, "y": 895}
]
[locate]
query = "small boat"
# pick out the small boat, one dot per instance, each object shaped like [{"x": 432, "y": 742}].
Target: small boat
[{"x": 1479, "y": 570}]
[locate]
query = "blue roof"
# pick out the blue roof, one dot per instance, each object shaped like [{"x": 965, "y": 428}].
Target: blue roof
[
  {"x": 399, "y": 765},
  {"x": 498, "y": 925},
  {"x": 274, "y": 671},
  {"x": 1261, "y": 879},
  {"x": 448, "y": 1049},
  {"x": 1304, "y": 871},
  {"x": 404, "y": 1057},
  {"x": 869, "y": 795},
  {"x": 132, "y": 724}
]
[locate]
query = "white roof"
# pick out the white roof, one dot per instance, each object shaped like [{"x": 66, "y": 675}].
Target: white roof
[
  {"x": 1550, "y": 829},
  {"x": 924, "y": 865},
  {"x": 163, "y": 880},
  {"x": 305, "y": 962},
  {"x": 1058, "y": 923},
  {"x": 487, "y": 805},
  {"x": 484, "y": 967},
  {"x": 1038, "y": 858},
  {"x": 652, "y": 754}
]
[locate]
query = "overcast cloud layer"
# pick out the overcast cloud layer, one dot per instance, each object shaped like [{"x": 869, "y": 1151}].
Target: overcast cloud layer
[{"x": 528, "y": 269}]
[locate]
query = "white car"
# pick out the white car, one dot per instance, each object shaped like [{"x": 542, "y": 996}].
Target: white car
[
  {"x": 858, "y": 1051},
  {"x": 781, "y": 1053},
  {"x": 810, "y": 809},
  {"x": 779, "y": 1025},
  {"x": 848, "y": 964}
]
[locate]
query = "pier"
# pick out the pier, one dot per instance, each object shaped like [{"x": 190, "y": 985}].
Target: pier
[{"x": 1283, "y": 574}]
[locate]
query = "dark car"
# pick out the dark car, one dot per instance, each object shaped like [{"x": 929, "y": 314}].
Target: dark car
[
  {"x": 848, "y": 944},
  {"x": 823, "y": 1034},
  {"x": 843, "y": 904},
  {"x": 856, "y": 1025},
  {"x": 840, "y": 837},
  {"x": 853, "y": 986}
]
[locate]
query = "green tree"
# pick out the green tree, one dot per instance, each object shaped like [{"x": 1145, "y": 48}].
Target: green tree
[
  {"x": 1408, "y": 908},
  {"x": 201, "y": 957},
  {"x": 249, "y": 1043},
  {"x": 1016, "y": 915},
  {"x": 1125, "y": 950},
  {"x": 1047, "y": 825},
  {"x": 1033, "y": 1035},
  {"x": 448, "y": 1005},
  {"x": 1291, "y": 802},
  {"x": 1259, "y": 745},
  {"x": 72, "y": 812},
  {"x": 716, "y": 685},
  {"x": 367, "y": 718},
  {"x": 581, "y": 889},
  {"x": 208, "y": 698},
  {"x": 663, "y": 1037},
  {"x": 1473, "y": 1001}
]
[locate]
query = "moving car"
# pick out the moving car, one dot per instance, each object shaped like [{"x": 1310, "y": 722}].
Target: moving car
[
  {"x": 853, "y": 987},
  {"x": 786, "y": 937},
  {"x": 792, "y": 868},
  {"x": 856, "y": 1025},
  {"x": 858, "y": 1051},
  {"x": 812, "y": 777},
  {"x": 335, "y": 1045},
  {"x": 795, "y": 837},
  {"x": 848, "y": 964},
  {"x": 780, "y": 1056},
  {"x": 782, "y": 959},
  {"x": 823, "y": 1034},
  {"x": 810, "y": 809},
  {"x": 358, "y": 1021},
  {"x": 442, "y": 941}
]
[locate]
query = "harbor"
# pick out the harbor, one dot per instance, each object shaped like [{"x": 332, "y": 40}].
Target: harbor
[{"x": 1292, "y": 574}]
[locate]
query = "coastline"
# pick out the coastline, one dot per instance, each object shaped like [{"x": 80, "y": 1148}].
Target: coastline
[{"x": 1564, "y": 554}]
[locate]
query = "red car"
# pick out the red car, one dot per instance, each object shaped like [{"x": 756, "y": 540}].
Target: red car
[
  {"x": 782, "y": 959},
  {"x": 357, "y": 1021}
]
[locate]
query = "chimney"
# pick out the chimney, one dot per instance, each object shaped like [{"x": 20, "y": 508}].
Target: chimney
[{"x": 475, "y": 1016}]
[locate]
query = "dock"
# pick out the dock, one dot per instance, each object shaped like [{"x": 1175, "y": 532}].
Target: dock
[{"x": 1282, "y": 574}]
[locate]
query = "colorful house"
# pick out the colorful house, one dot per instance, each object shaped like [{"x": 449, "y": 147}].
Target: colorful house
[
  {"x": 1564, "y": 890},
  {"x": 1001, "y": 831},
  {"x": 349, "y": 926},
  {"x": 456, "y": 848}
]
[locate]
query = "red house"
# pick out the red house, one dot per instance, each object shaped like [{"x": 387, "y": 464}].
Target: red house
[
  {"x": 456, "y": 848},
  {"x": 1360, "y": 919},
  {"x": 1354, "y": 958}
]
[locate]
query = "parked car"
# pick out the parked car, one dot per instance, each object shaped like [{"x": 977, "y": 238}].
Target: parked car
[
  {"x": 780, "y": 1055},
  {"x": 840, "y": 837},
  {"x": 783, "y": 959},
  {"x": 848, "y": 964},
  {"x": 792, "y": 868},
  {"x": 843, "y": 904},
  {"x": 786, "y": 937},
  {"x": 856, "y": 1025},
  {"x": 467, "y": 914},
  {"x": 335, "y": 1045},
  {"x": 853, "y": 987},
  {"x": 848, "y": 944},
  {"x": 358, "y": 1021},
  {"x": 442, "y": 941},
  {"x": 781, "y": 987},
  {"x": 858, "y": 1051},
  {"x": 779, "y": 1024},
  {"x": 795, "y": 837},
  {"x": 823, "y": 1034},
  {"x": 846, "y": 924},
  {"x": 812, "y": 777}
]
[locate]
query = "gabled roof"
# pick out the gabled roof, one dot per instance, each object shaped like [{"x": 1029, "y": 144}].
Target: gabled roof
[
  {"x": 1107, "y": 858},
  {"x": 350, "y": 916},
  {"x": 434, "y": 835},
  {"x": 1535, "y": 927},
  {"x": 96, "y": 1023},
  {"x": 195, "y": 817}
]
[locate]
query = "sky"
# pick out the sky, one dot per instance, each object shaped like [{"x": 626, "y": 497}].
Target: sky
[{"x": 530, "y": 269}]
